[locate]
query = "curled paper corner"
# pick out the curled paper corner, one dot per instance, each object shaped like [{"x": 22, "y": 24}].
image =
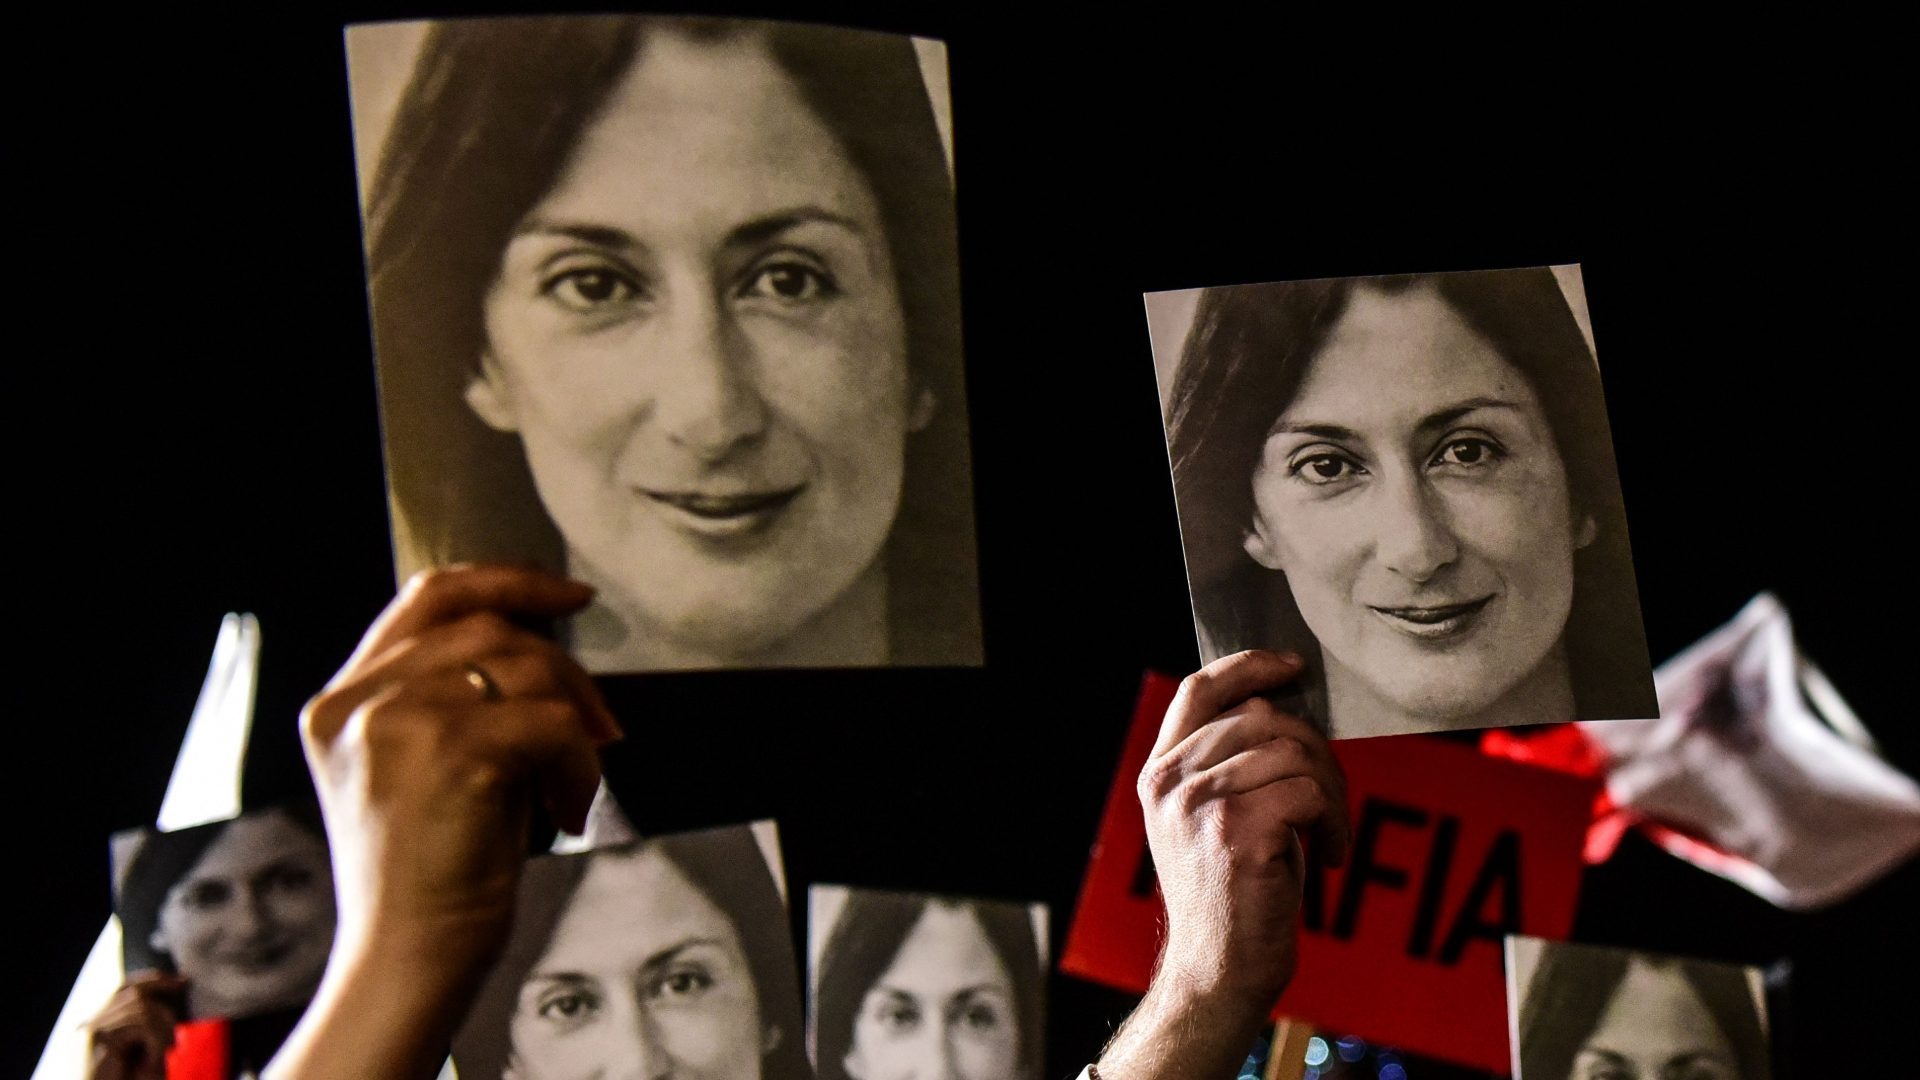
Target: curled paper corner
[
  {"x": 607, "y": 825},
  {"x": 204, "y": 787}
]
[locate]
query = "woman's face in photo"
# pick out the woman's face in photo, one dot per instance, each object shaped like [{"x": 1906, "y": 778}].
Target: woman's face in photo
[
  {"x": 942, "y": 1011},
  {"x": 250, "y": 926},
  {"x": 1656, "y": 1028},
  {"x": 698, "y": 336},
  {"x": 1414, "y": 498},
  {"x": 643, "y": 977}
]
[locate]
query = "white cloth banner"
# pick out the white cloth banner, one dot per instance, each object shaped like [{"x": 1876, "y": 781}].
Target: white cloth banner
[{"x": 1758, "y": 771}]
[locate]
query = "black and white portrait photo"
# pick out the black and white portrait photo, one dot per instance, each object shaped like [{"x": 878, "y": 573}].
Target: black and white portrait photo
[
  {"x": 910, "y": 985},
  {"x": 1588, "y": 1012},
  {"x": 1409, "y": 481},
  {"x": 241, "y": 910},
  {"x": 668, "y": 957},
  {"x": 671, "y": 305}
]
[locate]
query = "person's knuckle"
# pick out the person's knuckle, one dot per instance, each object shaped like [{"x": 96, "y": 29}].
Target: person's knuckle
[
  {"x": 1158, "y": 777},
  {"x": 320, "y": 718},
  {"x": 485, "y": 632},
  {"x": 1199, "y": 686},
  {"x": 428, "y": 582}
]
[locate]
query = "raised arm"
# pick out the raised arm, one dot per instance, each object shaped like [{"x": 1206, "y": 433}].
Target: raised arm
[
  {"x": 1231, "y": 787},
  {"x": 428, "y": 749}
]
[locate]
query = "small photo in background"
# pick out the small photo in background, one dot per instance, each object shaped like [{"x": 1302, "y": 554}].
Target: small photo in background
[
  {"x": 1410, "y": 481},
  {"x": 909, "y": 984},
  {"x": 241, "y": 909},
  {"x": 670, "y": 957},
  {"x": 1590, "y": 1012}
]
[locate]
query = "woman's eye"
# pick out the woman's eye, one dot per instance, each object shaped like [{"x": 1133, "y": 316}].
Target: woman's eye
[
  {"x": 789, "y": 282},
  {"x": 899, "y": 1017},
  {"x": 1325, "y": 468},
  {"x": 589, "y": 289},
  {"x": 568, "y": 1008},
  {"x": 682, "y": 983},
  {"x": 290, "y": 879},
  {"x": 1468, "y": 453},
  {"x": 208, "y": 894},
  {"x": 980, "y": 1017}
]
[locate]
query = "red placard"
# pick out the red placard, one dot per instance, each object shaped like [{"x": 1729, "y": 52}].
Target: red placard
[
  {"x": 199, "y": 1051},
  {"x": 1452, "y": 851}
]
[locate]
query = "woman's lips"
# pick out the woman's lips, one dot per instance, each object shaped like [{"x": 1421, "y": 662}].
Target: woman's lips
[
  {"x": 1433, "y": 622},
  {"x": 715, "y": 514}
]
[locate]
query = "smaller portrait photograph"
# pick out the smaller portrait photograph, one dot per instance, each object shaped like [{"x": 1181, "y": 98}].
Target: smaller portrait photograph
[
  {"x": 667, "y": 957},
  {"x": 913, "y": 985},
  {"x": 1590, "y": 1012},
  {"x": 671, "y": 305},
  {"x": 241, "y": 910},
  {"x": 1409, "y": 481}
]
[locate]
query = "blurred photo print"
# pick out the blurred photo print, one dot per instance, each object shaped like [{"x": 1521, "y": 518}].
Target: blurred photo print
[
  {"x": 910, "y": 985},
  {"x": 1410, "y": 481},
  {"x": 667, "y": 957},
  {"x": 1590, "y": 1012},
  {"x": 240, "y": 910},
  {"x": 671, "y": 305}
]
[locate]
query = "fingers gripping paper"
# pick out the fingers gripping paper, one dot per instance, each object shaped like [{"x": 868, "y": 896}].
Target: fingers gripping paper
[{"x": 1451, "y": 852}]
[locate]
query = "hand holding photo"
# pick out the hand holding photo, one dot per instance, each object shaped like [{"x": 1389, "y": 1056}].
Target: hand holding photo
[
  {"x": 908, "y": 985},
  {"x": 671, "y": 305},
  {"x": 670, "y": 957},
  {"x": 241, "y": 910},
  {"x": 1411, "y": 480},
  {"x": 1587, "y": 1012}
]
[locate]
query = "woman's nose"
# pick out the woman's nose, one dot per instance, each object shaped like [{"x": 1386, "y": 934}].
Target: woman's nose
[
  {"x": 642, "y": 1054},
  {"x": 248, "y": 916},
  {"x": 708, "y": 399},
  {"x": 1413, "y": 538},
  {"x": 934, "y": 1057}
]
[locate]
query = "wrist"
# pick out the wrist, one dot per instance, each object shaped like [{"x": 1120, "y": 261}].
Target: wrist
[
  {"x": 1239, "y": 982},
  {"x": 1186, "y": 1028},
  {"x": 393, "y": 995}
]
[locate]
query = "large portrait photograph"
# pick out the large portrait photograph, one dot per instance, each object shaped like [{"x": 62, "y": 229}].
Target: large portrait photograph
[
  {"x": 1592, "y": 1012},
  {"x": 1410, "y": 482},
  {"x": 916, "y": 985},
  {"x": 671, "y": 305},
  {"x": 667, "y": 957}
]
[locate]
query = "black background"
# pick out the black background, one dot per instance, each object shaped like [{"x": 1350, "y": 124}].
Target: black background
[{"x": 194, "y": 427}]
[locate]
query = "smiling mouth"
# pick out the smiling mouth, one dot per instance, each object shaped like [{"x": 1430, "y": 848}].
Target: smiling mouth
[
  {"x": 1433, "y": 622},
  {"x": 258, "y": 957},
  {"x": 717, "y": 515}
]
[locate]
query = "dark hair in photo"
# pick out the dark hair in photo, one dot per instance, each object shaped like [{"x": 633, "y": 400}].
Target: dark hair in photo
[
  {"x": 727, "y": 867},
  {"x": 161, "y": 861},
  {"x": 1244, "y": 360},
  {"x": 1573, "y": 984},
  {"x": 484, "y": 129},
  {"x": 868, "y": 934}
]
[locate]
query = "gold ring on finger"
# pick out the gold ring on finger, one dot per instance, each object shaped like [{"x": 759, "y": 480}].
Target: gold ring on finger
[{"x": 478, "y": 678}]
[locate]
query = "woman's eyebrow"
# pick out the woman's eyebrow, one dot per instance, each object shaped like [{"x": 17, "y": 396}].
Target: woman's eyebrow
[
  {"x": 1318, "y": 430},
  {"x": 604, "y": 236},
  {"x": 762, "y": 229},
  {"x": 672, "y": 952},
  {"x": 1445, "y": 417}
]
